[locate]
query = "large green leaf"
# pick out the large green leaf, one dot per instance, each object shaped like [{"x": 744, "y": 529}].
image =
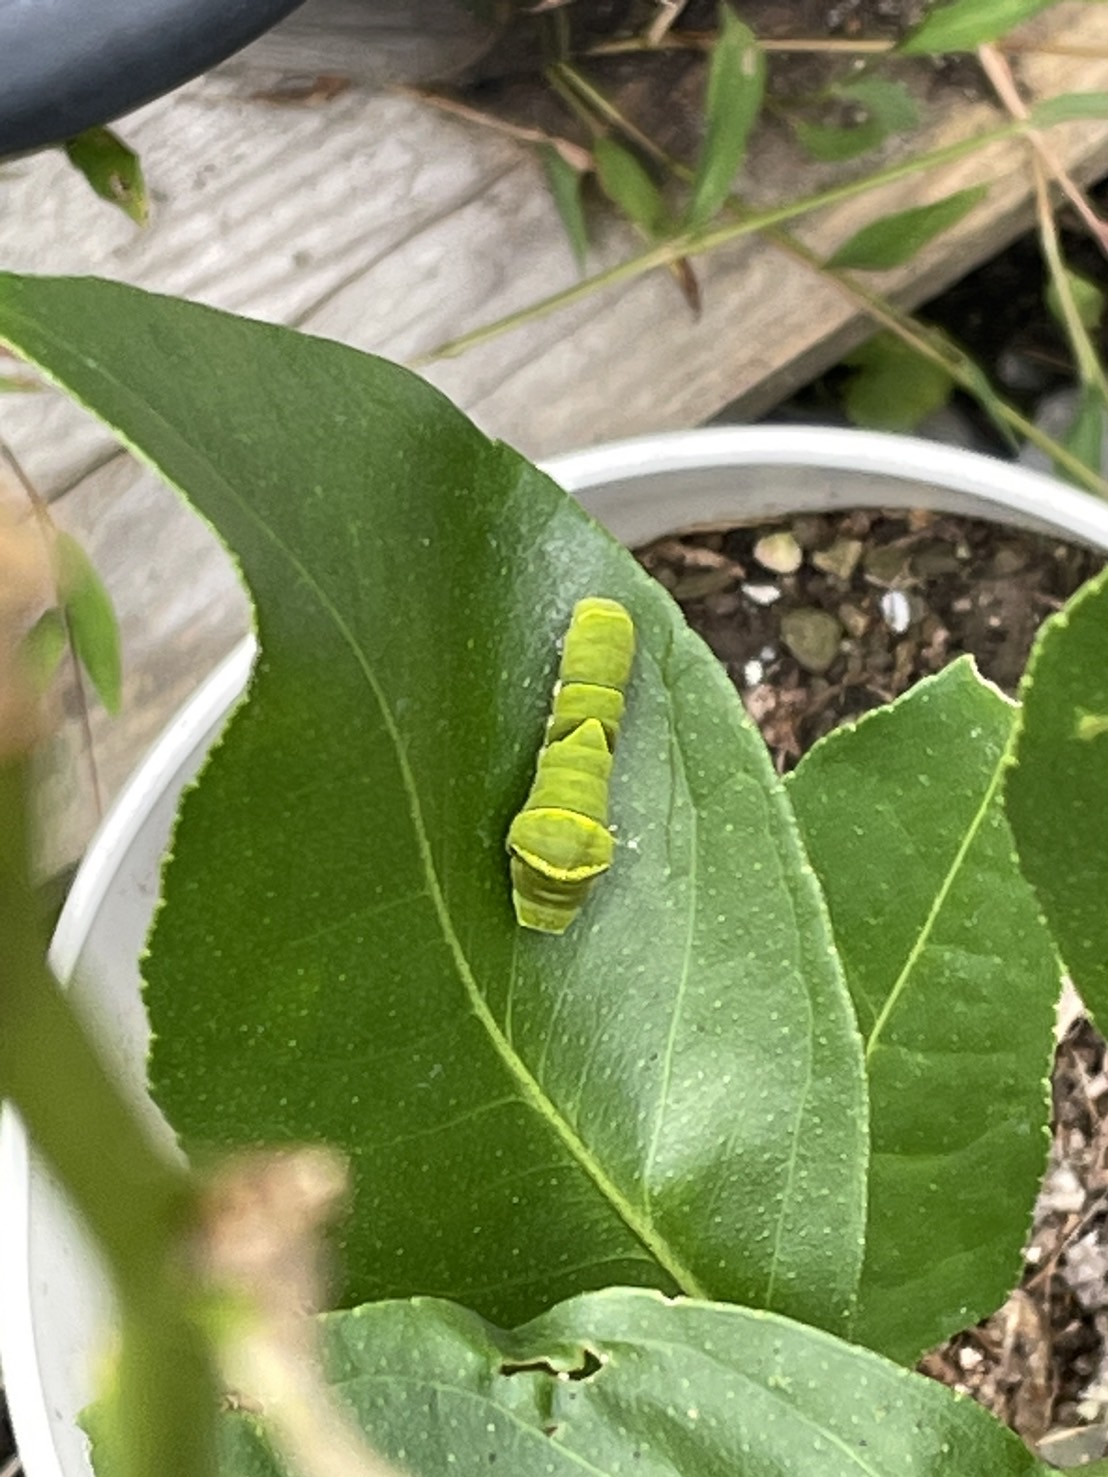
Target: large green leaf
[
  {"x": 623, "y": 1381},
  {"x": 954, "y": 980},
  {"x": 1057, "y": 793},
  {"x": 672, "y": 1093}
]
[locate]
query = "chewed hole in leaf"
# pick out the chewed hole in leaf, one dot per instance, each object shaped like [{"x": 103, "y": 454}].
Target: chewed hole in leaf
[{"x": 590, "y": 1364}]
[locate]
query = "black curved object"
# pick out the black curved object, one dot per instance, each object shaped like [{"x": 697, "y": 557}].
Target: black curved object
[{"x": 67, "y": 65}]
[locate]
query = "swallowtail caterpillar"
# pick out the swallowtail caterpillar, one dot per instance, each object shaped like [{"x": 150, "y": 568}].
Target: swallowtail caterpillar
[{"x": 559, "y": 842}]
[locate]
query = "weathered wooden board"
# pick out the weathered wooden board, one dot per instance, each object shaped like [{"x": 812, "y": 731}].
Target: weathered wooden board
[
  {"x": 379, "y": 43},
  {"x": 265, "y": 210},
  {"x": 373, "y": 219}
]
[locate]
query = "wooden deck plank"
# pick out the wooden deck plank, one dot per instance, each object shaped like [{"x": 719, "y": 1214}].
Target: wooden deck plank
[
  {"x": 377, "y": 221},
  {"x": 260, "y": 209},
  {"x": 768, "y": 324}
]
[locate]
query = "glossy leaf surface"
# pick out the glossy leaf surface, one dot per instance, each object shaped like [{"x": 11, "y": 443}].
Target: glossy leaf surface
[
  {"x": 1057, "y": 793},
  {"x": 954, "y": 980},
  {"x": 672, "y": 1094},
  {"x": 659, "y": 1389}
]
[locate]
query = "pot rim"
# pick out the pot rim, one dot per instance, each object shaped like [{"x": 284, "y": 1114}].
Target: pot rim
[{"x": 1028, "y": 498}]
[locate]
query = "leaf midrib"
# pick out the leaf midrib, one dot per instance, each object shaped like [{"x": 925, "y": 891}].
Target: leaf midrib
[
  {"x": 923, "y": 937},
  {"x": 530, "y": 1089}
]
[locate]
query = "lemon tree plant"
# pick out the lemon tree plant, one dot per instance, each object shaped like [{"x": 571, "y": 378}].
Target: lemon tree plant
[{"x": 687, "y": 1189}]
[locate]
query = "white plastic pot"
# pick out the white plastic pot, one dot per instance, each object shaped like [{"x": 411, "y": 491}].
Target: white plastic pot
[{"x": 53, "y": 1304}]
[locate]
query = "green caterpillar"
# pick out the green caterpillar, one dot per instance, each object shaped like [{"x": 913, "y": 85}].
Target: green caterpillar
[{"x": 559, "y": 842}]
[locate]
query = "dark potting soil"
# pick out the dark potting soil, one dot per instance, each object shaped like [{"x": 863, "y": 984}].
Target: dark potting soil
[
  {"x": 817, "y": 619},
  {"x": 1040, "y": 1363},
  {"x": 825, "y": 616},
  {"x": 661, "y": 90}
]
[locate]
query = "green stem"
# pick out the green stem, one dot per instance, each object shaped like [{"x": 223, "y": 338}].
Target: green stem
[
  {"x": 1088, "y": 364},
  {"x": 567, "y": 79},
  {"x": 705, "y": 40},
  {"x": 695, "y": 242},
  {"x": 560, "y": 85},
  {"x": 136, "y": 1203},
  {"x": 968, "y": 376}
]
